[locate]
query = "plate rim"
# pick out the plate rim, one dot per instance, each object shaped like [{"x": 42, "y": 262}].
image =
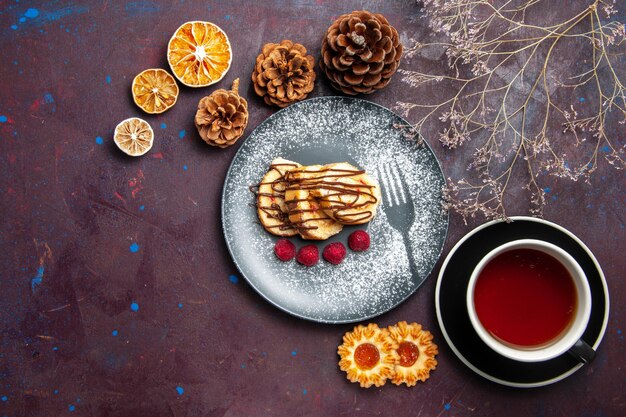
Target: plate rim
[
  {"x": 473, "y": 367},
  {"x": 256, "y": 289}
]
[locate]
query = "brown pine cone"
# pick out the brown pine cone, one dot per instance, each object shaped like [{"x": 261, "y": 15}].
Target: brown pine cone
[
  {"x": 222, "y": 117},
  {"x": 283, "y": 73},
  {"x": 361, "y": 51}
]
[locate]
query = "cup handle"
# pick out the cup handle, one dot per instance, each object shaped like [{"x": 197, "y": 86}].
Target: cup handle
[{"x": 582, "y": 351}]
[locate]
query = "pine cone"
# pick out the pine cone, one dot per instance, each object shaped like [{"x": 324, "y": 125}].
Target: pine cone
[
  {"x": 283, "y": 73},
  {"x": 222, "y": 117},
  {"x": 361, "y": 51}
]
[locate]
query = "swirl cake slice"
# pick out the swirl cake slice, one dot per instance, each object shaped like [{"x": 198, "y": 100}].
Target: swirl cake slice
[
  {"x": 345, "y": 193},
  {"x": 271, "y": 207},
  {"x": 307, "y": 217},
  {"x": 348, "y": 195},
  {"x": 304, "y": 210}
]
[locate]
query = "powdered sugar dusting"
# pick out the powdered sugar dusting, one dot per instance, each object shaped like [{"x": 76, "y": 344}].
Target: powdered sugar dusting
[{"x": 320, "y": 131}]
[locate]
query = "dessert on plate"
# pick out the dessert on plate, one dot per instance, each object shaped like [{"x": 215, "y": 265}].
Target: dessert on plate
[
  {"x": 315, "y": 201},
  {"x": 347, "y": 194},
  {"x": 270, "y": 202}
]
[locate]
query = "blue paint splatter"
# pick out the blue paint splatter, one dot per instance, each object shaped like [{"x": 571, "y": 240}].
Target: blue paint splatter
[
  {"x": 547, "y": 190},
  {"x": 180, "y": 305},
  {"x": 48, "y": 98},
  {"x": 50, "y": 16},
  {"x": 3, "y": 119},
  {"x": 243, "y": 366},
  {"x": 31, "y": 13},
  {"x": 606, "y": 148},
  {"x": 55, "y": 348},
  {"x": 55, "y": 392},
  {"x": 185, "y": 168},
  {"x": 447, "y": 406},
  {"x": 227, "y": 17},
  {"x": 182, "y": 133},
  {"x": 115, "y": 332},
  {"x": 582, "y": 99},
  {"x": 142, "y": 208},
  {"x": 108, "y": 79},
  {"x": 304, "y": 391},
  {"x": 294, "y": 353},
  {"x": 4, "y": 398},
  {"x": 134, "y": 306},
  {"x": 111, "y": 361},
  {"x": 134, "y": 247},
  {"x": 180, "y": 390},
  {"x": 71, "y": 407},
  {"x": 233, "y": 279},
  {"x": 38, "y": 279},
  {"x": 619, "y": 331},
  {"x": 65, "y": 11},
  {"x": 99, "y": 140},
  {"x": 140, "y": 7},
  {"x": 163, "y": 125}
]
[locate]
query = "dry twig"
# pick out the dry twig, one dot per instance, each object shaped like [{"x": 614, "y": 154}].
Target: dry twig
[{"x": 511, "y": 75}]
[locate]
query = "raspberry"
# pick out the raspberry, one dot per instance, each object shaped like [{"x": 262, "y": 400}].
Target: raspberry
[
  {"x": 308, "y": 255},
  {"x": 359, "y": 241},
  {"x": 285, "y": 250},
  {"x": 334, "y": 253}
]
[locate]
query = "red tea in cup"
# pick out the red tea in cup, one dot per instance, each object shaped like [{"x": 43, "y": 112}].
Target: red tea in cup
[
  {"x": 529, "y": 300},
  {"x": 525, "y": 297}
]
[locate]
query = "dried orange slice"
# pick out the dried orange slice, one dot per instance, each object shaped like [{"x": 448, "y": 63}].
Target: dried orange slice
[
  {"x": 154, "y": 90},
  {"x": 199, "y": 54},
  {"x": 134, "y": 136}
]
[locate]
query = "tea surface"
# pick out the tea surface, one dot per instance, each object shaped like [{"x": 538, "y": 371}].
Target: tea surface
[{"x": 525, "y": 297}]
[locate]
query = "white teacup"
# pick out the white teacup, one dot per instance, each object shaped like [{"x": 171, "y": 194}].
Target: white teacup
[{"x": 569, "y": 340}]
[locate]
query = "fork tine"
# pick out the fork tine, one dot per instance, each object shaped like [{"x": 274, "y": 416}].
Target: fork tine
[
  {"x": 399, "y": 179},
  {"x": 392, "y": 183},
  {"x": 385, "y": 181}
]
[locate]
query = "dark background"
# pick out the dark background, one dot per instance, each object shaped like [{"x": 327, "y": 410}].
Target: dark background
[{"x": 202, "y": 342}]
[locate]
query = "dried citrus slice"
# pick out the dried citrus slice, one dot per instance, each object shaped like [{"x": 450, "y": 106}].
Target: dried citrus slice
[
  {"x": 199, "y": 54},
  {"x": 133, "y": 136},
  {"x": 154, "y": 90}
]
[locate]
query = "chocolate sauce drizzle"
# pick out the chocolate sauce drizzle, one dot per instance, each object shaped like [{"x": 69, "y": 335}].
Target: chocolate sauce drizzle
[
  {"x": 278, "y": 191},
  {"x": 342, "y": 211},
  {"x": 346, "y": 212}
]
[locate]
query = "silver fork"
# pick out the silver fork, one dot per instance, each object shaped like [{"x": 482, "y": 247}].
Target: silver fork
[{"x": 398, "y": 206}]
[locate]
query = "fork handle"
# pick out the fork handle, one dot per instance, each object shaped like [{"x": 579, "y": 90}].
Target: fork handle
[{"x": 409, "y": 253}]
